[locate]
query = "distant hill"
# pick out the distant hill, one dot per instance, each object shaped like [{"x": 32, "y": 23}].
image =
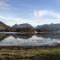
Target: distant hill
[
  {"x": 49, "y": 27},
  {"x": 3, "y": 26},
  {"x": 24, "y": 27}
]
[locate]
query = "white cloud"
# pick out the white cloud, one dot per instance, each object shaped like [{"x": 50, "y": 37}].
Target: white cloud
[
  {"x": 4, "y": 4},
  {"x": 42, "y": 13},
  {"x": 13, "y": 20},
  {"x": 46, "y": 17},
  {"x": 34, "y": 21}
]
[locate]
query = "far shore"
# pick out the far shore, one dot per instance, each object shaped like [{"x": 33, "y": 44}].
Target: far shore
[{"x": 27, "y": 32}]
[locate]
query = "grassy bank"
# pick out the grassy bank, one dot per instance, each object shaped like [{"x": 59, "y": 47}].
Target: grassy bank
[{"x": 29, "y": 52}]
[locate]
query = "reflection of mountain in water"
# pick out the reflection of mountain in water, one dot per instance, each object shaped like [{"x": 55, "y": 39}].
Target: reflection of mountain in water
[
  {"x": 27, "y": 36},
  {"x": 30, "y": 40},
  {"x": 49, "y": 35},
  {"x": 46, "y": 35},
  {"x": 3, "y": 36},
  {"x": 23, "y": 36}
]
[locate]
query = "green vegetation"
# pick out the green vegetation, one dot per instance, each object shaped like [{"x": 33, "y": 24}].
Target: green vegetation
[{"x": 2, "y": 25}]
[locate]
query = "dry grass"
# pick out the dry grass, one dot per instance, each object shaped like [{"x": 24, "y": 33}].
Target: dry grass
[{"x": 29, "y": 52}]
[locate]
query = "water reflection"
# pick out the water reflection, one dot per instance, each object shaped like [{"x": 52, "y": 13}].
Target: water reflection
[
  {"x": 30, "y": 40},
  {"x": 49, "y": 35},
  {"x": 23, "y": 36},
  {"x": 3, "y": 36}
]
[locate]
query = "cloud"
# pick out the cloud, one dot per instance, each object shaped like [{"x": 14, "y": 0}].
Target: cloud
[
  {"x": 34, "y": 21},
  {"x": 4, "y": 4},
  {"x": 13, "y": 20},
  {"x": 40, "y": 13},
  {"x": 45, "y": 17},
  {"x": 44, "y": 13},
  {"x": 10, "y": 20}
]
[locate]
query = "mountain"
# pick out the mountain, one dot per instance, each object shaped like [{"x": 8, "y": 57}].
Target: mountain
[
  {"x": 3, "y": 26},
  {"x": 15, "y": 26},
  {"x": 48, "y": 27},
  {"x": 24, "y": 27}
]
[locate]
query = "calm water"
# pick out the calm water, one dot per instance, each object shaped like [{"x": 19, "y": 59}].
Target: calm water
[{"x": 30, "y": 40}]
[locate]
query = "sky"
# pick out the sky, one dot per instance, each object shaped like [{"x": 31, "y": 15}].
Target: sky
[{"x": 34, "y": 12}]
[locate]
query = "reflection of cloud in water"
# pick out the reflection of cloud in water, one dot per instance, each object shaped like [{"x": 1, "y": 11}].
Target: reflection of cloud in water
[
  {"x": 39, "y": 41},
  {"x": 11, "y": 41},
  {"x": 33, "y": 41}
]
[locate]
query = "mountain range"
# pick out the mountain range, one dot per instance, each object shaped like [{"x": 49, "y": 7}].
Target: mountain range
[
  {"x": 48, "y": 27},
  {"x": 25, "y": 27}
]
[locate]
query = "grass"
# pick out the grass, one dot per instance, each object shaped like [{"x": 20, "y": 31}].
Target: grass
[{"x": 29, "y": 52}]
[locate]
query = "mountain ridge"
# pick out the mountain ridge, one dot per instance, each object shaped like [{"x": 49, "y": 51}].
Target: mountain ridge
[{"x": 25, "y": 27}]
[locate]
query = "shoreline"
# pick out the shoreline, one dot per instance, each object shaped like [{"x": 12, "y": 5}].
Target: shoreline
[
  {"x": 27, "y": 32},
  {"x": 30, "y": 47}
]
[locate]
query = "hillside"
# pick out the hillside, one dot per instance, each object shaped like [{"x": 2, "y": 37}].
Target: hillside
[
  {"x": 48, "y": 27},
  {"x": 24, "y": 27},
  {"x": 3, "y": 26}
]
